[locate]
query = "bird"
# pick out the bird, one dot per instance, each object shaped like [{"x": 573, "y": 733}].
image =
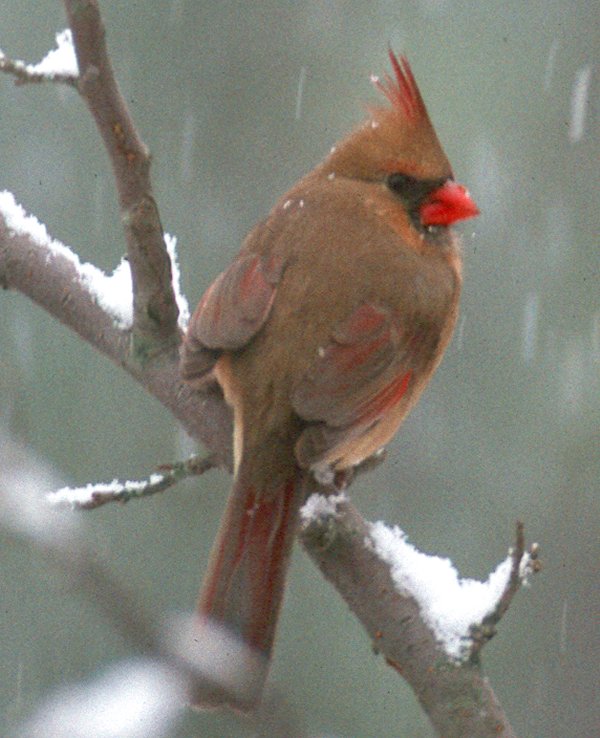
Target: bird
[{"x": 322, "y": 335}]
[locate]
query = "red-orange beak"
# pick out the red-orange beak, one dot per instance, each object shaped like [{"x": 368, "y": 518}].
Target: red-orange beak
[{"x": 447, "y": 204}]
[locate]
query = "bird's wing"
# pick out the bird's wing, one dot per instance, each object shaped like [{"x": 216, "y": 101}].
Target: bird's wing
[
  {"x": 360, "y": 376},
  {"x": 232, "y": 310}
]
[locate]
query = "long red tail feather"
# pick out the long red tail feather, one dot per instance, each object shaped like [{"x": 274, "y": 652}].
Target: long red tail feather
[{"x": 244, "y": 586}]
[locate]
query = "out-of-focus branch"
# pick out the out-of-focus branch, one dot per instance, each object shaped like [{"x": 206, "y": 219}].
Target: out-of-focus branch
[
  {"x": 155, "y": 310},
  {"x": 454, "y": 693},
  {"x": 188, "y": 653}
]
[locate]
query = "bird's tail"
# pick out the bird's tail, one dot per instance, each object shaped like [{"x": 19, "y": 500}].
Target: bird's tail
[{"x": 243, "y": 588}]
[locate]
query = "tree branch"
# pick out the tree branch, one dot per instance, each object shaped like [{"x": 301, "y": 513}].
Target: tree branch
[
  {"x": 59, "y": 65},
  {"x": 454, "y": 693},
  {"x": 155, "y": 310},
  {"x": 523, "y": 563},
  {"x": 95, "y": 495},
  {"x": 24, "y": 76},
  {"x": 180, "y": 646},
  {"x": 51, "y": 278}
]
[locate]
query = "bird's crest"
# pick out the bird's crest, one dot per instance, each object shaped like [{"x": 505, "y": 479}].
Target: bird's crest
[{"x": 402, "y": 92}]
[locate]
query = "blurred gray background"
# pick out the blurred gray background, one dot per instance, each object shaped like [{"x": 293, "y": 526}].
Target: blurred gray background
[{"x": 508, "y": 428}]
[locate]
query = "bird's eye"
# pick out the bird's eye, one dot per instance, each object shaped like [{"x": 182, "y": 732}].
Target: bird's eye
[{"x": 401, "y": 184}]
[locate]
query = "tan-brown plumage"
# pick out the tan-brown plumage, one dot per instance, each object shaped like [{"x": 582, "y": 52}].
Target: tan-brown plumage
[{"x": 322, "y": 334}]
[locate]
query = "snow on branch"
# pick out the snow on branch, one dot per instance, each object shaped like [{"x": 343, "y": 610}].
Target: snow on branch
[
  {"x": 321, "y": 506},
  {"x": 113, "y": 293},
  {"x": 180, "y": 298},
  {"x": 59, "y": 64},
  {"x": 428, "y": 623},
  {"x": 453, "y": 607},
  {"x": 456, "y": 610},
  {"x": 97, "y": 494}
]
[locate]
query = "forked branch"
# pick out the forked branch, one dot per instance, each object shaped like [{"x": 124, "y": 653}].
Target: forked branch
[{"x": 453, "y": 691}]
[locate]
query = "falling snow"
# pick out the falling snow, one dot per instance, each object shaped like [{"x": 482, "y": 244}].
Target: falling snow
[
  {"x": 460, "y": 333},
  {"x": 300, "y": 92},
  {"x": 530, "y": 326},
  {"x": 562, "y": 639},
  {"x": 188, "y": 142},
  {"x": 579, "y": 101}
]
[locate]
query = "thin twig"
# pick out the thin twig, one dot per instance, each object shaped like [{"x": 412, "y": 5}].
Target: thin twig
[
  {"x": 524, "y": 562},
  {"x": 24, "y": 76},
  {"x": 97, "y": 494}
]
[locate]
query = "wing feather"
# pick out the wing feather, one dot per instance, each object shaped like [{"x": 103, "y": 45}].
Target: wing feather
[
  {"x": 363, "y": 372},
  {"x": 232, "y": 310}
]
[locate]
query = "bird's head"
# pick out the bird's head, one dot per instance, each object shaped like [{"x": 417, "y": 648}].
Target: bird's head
[{"x": 397, "y": 146}]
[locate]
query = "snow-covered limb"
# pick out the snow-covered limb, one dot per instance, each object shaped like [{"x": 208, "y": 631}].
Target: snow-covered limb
[
  {"x": 114, "y": 292},
  {"x": 96, "y": 494},
  {"x": 417, "y": 612},
  {"x": 81, "y": 59},
  {"x": 449, "y": 604},
  {"x": 93, "y": 305},
  {"x": 59, "y": 64},
  {"x": 457, "y": 610},
  {"x": 142, "y": 340}
]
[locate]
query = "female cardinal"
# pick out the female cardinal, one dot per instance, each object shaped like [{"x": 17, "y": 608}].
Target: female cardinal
[{"x": 322, "y": 334}]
